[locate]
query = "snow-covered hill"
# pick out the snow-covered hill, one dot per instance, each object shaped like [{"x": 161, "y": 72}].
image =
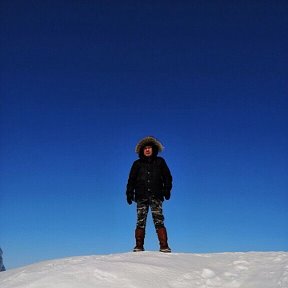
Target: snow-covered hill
[{"x": 154, "y": 269}]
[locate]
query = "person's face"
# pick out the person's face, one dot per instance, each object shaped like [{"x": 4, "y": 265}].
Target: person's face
[{"x": 148, "y": 151}]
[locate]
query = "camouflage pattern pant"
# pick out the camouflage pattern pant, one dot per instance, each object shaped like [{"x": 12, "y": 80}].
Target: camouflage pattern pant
[{"x": 156, "y": 210}]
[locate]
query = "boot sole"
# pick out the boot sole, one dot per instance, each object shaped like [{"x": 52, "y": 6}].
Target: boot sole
[{"x": 165, "y": 250}]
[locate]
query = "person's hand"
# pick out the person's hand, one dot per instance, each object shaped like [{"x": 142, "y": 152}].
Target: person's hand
[
  {"x": 167, "y": 195},
  {"x": 130, "y": 199}
]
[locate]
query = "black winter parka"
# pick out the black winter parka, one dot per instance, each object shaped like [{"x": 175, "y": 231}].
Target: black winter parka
[{"x": 149, "y": 176}]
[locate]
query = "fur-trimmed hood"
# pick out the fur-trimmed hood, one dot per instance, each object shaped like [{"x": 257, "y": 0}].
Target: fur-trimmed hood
[{"x": 149, "y": 140}]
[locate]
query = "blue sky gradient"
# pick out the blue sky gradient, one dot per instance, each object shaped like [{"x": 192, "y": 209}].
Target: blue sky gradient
[{"x": 82, "y": 82}]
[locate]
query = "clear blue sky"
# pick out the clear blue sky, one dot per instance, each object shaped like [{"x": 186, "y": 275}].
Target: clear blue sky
[{"x": 83, "y": 81}]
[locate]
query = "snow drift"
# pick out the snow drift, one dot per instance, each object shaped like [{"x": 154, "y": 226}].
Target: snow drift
[{"x": 154, "y": 269}]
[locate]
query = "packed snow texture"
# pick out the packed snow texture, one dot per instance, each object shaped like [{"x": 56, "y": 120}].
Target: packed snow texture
[{"x": 155, "y": 269}]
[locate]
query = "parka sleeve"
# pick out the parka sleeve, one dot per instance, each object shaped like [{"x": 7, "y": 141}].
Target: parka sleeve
[
  {"x": 167, "y": 177},
  {"x": 132, "y": 179}
]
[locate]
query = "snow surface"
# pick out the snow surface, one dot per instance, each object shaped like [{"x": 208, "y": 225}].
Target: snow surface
[{"x": 155, "y": 269}]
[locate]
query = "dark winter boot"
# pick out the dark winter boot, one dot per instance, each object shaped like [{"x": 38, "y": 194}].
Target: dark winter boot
[
  {"x": 162, "y": 236},
  {"x": 139, "y": 236}
]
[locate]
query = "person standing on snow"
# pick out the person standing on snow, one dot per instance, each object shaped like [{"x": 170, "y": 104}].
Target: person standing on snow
[{"x": 149, "y": 182}]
